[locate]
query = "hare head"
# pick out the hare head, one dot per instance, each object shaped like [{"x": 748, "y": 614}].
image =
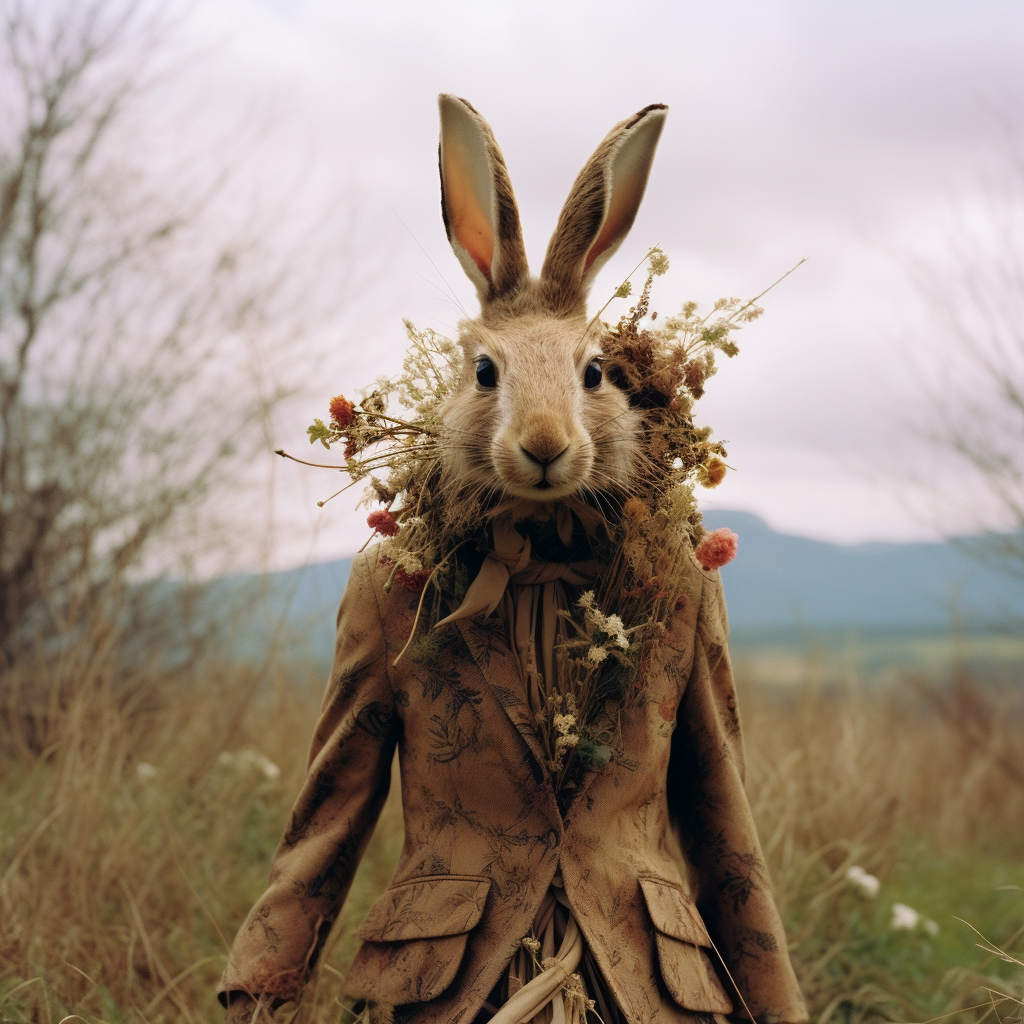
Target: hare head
[{"x": 534, "y": 416}]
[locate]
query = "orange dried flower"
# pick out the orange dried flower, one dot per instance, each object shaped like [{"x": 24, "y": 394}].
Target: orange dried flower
[
  {"x": 714, "y": 472},
  {"x": 635, "y": 510},
  {"x": 343, "y": 412},
  {"x": 693, "y": 377}
]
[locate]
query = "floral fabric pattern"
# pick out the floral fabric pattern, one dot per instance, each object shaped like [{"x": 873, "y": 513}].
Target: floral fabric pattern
[{"x": 485, "y": 835}]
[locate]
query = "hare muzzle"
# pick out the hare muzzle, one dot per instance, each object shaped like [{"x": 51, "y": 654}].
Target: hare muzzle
[{"x": 543, "y": 459}]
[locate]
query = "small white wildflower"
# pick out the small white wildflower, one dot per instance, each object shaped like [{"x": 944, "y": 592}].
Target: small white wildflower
[
  {"x": 597, "y": 655},
  {"x": 869, "y": 885},
  {"x": 145, "y": 771},
  {"x": 904, "y": 918},
  {"x": 597, "y": 622},
  {"x": 269, "y": 769},
  {"x": 930, "y": 927}
]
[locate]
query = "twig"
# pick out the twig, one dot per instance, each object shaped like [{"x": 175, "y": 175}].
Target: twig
[
  {"x": 317, "y": 465},
  {"x": 761, "y": 295}
]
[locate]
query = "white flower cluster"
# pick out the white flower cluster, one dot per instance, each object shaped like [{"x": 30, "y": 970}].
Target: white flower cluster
[
  {"x": 869, "y": 885},
  {"x": 907, "y": 919},
  {"x": 904, "y": 918},
  {"x": 565, "y": 726},
  {"x": 430, "y": 371},
  {"x": 562, "y": 709},
  {"x": 393, "y": 548},
  {"x": 596, "y": 621}
]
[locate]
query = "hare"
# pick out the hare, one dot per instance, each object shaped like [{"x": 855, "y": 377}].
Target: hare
[{"x": 535, "y": 884}]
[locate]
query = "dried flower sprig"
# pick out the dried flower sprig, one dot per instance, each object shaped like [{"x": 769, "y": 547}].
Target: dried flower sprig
[
  {"x": 398, "y": 456},
  {"x": 392, "y": 440},
  {"x": 610, "y": 638}
]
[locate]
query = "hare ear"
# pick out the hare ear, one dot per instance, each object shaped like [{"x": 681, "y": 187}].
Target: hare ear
[
  {"x": 601, "y": 207},
  {"x": 477, "y": 202}
]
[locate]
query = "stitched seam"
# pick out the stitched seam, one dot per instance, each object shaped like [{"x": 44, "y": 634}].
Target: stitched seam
[
  {"x": 646, "y": 876},
  {"x": 448, "y": 878},
  {"x": 380, "y": 621}
]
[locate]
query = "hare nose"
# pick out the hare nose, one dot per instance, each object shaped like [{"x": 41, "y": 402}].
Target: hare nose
[
  {"x": 543, "y": 440},
  {"x": 533, "y": 456}
]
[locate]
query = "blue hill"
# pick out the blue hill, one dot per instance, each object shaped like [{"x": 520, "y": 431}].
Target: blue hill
[
  {"x": 779, "y": 585},
  {"x": 780, "y": 581}
]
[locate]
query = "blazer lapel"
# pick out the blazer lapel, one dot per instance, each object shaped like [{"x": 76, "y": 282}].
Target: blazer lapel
[{"x": 485, "y": 639}]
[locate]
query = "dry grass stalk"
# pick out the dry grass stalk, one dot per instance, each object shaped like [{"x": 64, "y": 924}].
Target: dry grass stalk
[{"x": 119, "y": 883}]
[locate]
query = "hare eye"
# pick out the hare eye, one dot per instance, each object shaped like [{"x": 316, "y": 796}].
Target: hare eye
[
  {"x": 593, "y": 374},
  {"x": 485, "y": 374}
]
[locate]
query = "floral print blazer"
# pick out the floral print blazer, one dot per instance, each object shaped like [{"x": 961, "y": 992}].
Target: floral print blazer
[{"x": 484, "y": 835}]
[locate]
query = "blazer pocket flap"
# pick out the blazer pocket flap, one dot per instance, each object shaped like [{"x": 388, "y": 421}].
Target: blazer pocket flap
[
  {"x": 683, "y": 945},
  {"x": 427, "y": 907},
  {"x": 690, "y": 977},
  {"x": 398, "y": 973},
  {"x": 673, "y": 913}
]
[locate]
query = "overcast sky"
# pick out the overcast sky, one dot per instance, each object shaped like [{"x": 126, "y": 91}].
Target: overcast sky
[{"x": 837, "y": 132}]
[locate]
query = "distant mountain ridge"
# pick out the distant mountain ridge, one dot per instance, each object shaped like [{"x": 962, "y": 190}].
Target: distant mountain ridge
[
  {"x": 779, "y": 583},
  {"x": 779, "y": 580}
]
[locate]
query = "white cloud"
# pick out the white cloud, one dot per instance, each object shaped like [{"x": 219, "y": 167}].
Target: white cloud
[{"x": 796, "y": 129}]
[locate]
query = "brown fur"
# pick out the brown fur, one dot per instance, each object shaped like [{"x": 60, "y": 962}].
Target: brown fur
[
  {"x": 564, "y": 275},
  {"x": 509, "y": 268},
  {"x": 539, "y": 407}
]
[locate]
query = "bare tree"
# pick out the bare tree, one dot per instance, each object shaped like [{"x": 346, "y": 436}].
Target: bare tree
[
  {"x": 130, "y": 319},
  {"x": 971, "y": 364}
]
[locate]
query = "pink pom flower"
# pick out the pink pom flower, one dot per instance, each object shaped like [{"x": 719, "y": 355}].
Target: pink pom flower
[
  {"x": 383, "y": 522},
  {"x": 718, "y": 548},
  {"x": 414, "y": 581}
]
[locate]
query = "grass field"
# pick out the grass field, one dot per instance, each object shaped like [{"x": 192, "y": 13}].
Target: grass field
[{"x": 138, "y": 819}]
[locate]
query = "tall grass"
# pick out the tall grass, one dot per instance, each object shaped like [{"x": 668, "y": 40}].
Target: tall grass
[
  {"x": 920, "y": 786},
  {"x": 139, "y": 814}
]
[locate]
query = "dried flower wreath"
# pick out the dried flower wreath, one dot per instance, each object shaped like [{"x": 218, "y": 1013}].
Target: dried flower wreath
[{"x": 431, "y": 534}]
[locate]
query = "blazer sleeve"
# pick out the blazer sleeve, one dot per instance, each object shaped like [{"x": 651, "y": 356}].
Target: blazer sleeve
[
  {"x": 346, "y": 784},
  {"x": 709, "y": 804}
]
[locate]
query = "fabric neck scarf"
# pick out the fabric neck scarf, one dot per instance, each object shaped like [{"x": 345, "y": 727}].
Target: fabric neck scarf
[
  {"x": 531, "y": 594},
  {"x": 511, "y": 561}
]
